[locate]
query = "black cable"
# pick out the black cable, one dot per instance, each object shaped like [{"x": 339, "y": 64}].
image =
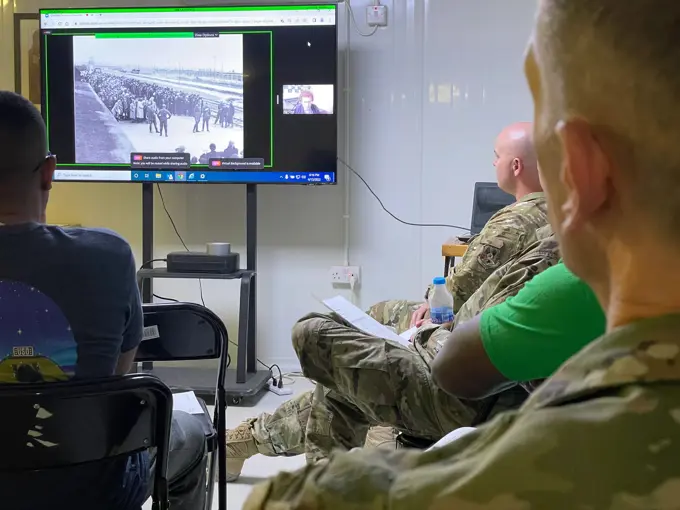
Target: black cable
[
  {"x": 268, "y": 367},
  {"x": 165, "y": 298},
  {"x": 154, "y": 294},
  {"x": 172, "y": 222},
  {"x": 151, "y": 262},
  {"x": 446, "y": 225}
]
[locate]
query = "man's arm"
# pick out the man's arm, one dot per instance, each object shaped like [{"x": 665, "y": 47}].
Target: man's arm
[
  {"x": 527, "y": 336},
  {"x": 463, "y": 368},
  {"x": 134, "y": 327}
]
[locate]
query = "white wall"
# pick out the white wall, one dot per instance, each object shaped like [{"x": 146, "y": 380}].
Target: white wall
[{"x": 427, "y": 96}]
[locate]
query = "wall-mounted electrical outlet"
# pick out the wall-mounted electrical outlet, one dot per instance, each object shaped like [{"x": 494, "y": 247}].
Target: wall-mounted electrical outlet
[
  {"x": 376, "y": 15},
  {"x": 345, "y": 275}
]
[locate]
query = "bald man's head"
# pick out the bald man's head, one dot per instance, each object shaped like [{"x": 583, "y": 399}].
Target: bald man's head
[
  {"x": 25, "y": 167},
  {"x": 515, "y": 160}
]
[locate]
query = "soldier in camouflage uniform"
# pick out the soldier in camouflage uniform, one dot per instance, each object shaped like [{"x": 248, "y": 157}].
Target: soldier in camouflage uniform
[
  {"x": 510, "y": 230},
  {"x": 365, "y": 380},
  {"x": 604, "y": 432}
]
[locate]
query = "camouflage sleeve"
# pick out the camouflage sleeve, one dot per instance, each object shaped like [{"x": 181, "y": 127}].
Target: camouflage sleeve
[
  {"x": 498, "y": 242},
  {"x": 509, "y": 279},
  {"x": 617, "y": 451}
]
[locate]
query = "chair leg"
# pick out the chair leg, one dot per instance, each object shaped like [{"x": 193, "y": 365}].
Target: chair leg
[{"x": 212, "y": 459}]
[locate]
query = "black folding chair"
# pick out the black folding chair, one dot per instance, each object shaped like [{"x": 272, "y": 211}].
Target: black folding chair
[
  {"x": 80, "y": 422},
  {"x": 187, "y": 332}
]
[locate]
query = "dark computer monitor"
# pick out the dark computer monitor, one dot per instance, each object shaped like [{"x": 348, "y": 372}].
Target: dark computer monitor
[{"x": 488, "y": 200}]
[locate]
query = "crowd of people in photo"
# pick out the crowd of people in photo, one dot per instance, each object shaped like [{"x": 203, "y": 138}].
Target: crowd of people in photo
[
  {"x": 136, "y": 100},
  {"x": 231, "y": 151}
]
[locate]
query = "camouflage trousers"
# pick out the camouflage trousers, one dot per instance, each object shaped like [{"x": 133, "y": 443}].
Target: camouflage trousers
[{"x": 362, "y": 381}]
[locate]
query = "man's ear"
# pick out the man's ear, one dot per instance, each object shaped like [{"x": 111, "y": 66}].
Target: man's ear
[
  {"x": 584, "y": 174},
  {"x": 47, "y": 173},
  {"x": 517, "y": 167}
]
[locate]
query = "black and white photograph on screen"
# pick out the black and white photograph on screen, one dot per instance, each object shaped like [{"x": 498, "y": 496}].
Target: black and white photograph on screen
[
  {"x": 308, "y": 99},
  {"x": 173, "y": 94}
]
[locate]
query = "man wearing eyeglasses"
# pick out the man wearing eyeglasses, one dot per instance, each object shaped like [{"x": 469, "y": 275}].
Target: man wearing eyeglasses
[{"x": 90, "y": 276}]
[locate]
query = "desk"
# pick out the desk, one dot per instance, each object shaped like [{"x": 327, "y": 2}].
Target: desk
[{"x": 451, "y": 249}]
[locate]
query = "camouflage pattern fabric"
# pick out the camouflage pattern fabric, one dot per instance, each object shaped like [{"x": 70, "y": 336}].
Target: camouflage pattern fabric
[
  {"x": 601, "y": 434},
  {"x": 504, "y": 282},
  {"x": 395, "y": 314},
  {"x": 367, "y": 381},
  {"x": 361, "y": 381},
  {"x": 509, "y": 279},
  {"x": 508, "y": 233}
]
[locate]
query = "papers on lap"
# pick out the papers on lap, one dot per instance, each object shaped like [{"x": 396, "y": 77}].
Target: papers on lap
[
  {"x": 187, "y": 402},
  {"x": 360, "y": 320}
]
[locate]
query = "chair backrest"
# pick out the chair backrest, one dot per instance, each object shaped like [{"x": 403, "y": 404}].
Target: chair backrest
[
  {"x": 487, "y": 201},
  {"x": 59, "y": 424},
  {"x": 181, "y": 332}
]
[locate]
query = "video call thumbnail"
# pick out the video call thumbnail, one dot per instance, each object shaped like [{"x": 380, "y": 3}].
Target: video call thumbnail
[{"x": 308, "y": 99}]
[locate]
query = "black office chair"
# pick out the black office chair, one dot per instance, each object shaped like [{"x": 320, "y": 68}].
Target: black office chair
[
  {"x": 487, "y": 201},
  {"x": 86, "y": 421},
  {"x": 187, "y": 332}
]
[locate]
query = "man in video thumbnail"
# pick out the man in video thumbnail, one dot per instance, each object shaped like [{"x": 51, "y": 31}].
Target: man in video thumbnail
[
  {"x": 206, "y": 119},
  {"x": 197, "y": 117},
  {"x": 163, "y": 116},
  {"x": 229, "y": 114},
  {"x": 151, "y": 114},
  {"x": 306, "y": 105},
  {"x": 231, "y": 151},
  {"x": 213, "y": 154}
]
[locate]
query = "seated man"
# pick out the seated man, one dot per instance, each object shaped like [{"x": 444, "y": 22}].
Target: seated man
[
  {"x": 524, "y": 338},
  {"x": 602, "y": 432},
  {"x": 366, "y": 381},
  {"x": 505, "y": 235},
  {"x": 90, "y": 276}
]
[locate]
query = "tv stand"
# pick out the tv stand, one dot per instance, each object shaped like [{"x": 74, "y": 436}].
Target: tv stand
[{"x": 245, "y": 380}]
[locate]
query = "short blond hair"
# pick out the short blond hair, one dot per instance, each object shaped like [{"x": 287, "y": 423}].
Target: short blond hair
[{"x": 616, "y": 62}]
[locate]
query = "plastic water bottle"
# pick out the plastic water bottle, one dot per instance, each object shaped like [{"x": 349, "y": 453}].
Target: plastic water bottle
[{"x": 441, "y": 302}]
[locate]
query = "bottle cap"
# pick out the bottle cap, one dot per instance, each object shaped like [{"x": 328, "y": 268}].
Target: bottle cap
[{"x": 439, "y": 280}]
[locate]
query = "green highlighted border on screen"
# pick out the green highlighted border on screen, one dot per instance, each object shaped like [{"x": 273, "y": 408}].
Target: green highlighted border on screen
[{"x": 160, "y": 35}]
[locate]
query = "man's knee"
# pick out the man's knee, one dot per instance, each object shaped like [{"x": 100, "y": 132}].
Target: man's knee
[
  {"x": 187, "y": 442},
  {"x": 306, "y": 331}
]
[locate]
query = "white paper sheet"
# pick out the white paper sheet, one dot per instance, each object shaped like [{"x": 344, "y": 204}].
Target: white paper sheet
[
  {"x": 186, "y": 402},
  {"x": 452, "y": 436},
  {"x": 357, "y": 318},
  {"x": 409, "y": 333}
]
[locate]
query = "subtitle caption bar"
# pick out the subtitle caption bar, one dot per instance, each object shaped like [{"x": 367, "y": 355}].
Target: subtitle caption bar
[
  {"x": 236, "y": 164},
  {"x": 160, "y": 160}
]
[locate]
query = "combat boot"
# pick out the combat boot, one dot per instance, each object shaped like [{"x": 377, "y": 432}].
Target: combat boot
[{"x": 240, "y": 447}]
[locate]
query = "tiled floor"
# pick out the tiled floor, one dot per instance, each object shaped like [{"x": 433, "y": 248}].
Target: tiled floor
[{"x": 259, "y": 467}]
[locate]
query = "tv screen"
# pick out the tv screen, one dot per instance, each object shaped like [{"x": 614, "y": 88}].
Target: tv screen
[{"x": 238, "y": 94}]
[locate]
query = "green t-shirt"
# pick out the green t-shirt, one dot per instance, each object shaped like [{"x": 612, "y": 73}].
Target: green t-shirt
[{"x": 530, "y": 335}]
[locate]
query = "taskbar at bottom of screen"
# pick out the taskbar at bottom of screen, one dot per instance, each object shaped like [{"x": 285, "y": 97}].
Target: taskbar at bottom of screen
[{"x": 197, "y": 176}]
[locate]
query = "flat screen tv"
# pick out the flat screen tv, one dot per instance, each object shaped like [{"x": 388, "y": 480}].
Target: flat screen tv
[{"x": 238, "y": 94}]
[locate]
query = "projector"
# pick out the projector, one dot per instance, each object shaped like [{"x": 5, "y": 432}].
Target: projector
[{"x": 201, "y": 262}]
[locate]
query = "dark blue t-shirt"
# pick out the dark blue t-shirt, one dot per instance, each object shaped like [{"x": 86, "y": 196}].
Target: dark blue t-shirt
[{"x": 69, "y": 304}]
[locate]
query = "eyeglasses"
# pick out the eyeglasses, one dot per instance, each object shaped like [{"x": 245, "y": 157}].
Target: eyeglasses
[{"x": 44, "y": 160}]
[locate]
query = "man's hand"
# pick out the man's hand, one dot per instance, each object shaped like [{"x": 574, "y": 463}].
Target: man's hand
[{"x": 419, "y": 315}]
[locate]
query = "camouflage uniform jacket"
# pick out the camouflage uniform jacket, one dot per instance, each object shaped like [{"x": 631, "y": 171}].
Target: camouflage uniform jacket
[
  {"x": 509, "y": 232},
  {"x": 504, "y": 282},
  {"x": 602, "y": 433}
]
